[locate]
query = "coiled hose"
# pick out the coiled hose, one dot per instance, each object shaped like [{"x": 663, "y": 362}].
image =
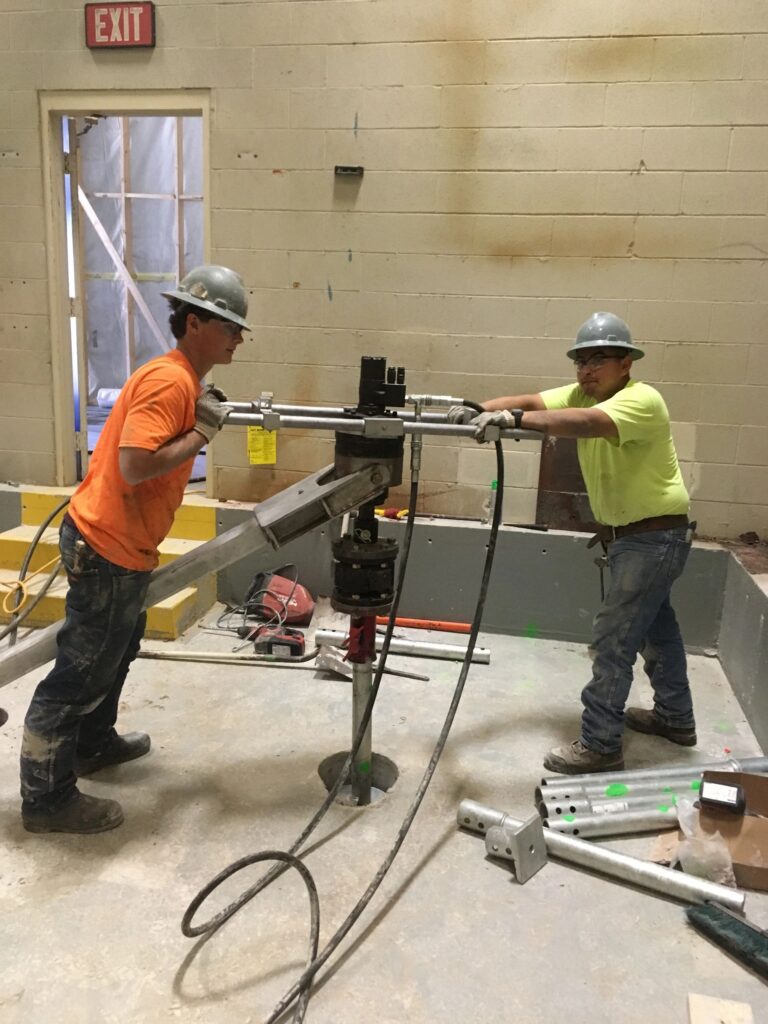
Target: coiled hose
[{"x": 11, "y": 628}]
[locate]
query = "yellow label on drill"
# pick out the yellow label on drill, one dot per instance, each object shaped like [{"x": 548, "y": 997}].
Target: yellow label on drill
[{"x": 262, "y": 446}]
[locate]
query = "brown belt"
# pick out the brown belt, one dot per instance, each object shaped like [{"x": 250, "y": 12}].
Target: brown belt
[{"x": 606, "y": 534}]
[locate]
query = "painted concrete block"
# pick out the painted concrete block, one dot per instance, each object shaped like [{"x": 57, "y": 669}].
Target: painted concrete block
[
  {"x": 698, "y": 58},
  {"x": 686, "y": 148},
  {"x": 752, "y": 446},
  {"x": 681, "y": 237},
  {"x": 592, "y": 236},
  {"x": 407, "y": 64},
  {"x": 248, "y": 108},
  {"x": 730, "y": 192},
  {"x": 600, "y": 148},
  {"x": 656, "y": 18},
  {"x": 705, "y": 362},
  {"x": 648, "y": 103},
  {"x": 738, "y": 16},
  {"x": 622, "y": 59},
  {"x": 729, "y": 102},
  {"x": 639, "y": 191},
  {"x": 749, "y": 148},
  {"x": 739, "y": 321},
  {"x": 669, "y": 320},
  {"x": 266, "y": 149}
]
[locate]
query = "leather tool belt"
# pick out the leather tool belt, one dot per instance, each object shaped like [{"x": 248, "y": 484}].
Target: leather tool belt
[{"x": 606, "y": 534}]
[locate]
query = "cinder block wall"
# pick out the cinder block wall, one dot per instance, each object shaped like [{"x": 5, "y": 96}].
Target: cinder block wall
[{"x": 525, "y": 164}]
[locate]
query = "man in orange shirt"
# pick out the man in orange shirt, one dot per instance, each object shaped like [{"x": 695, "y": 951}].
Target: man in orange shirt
[{"x": 117, "y": 518}]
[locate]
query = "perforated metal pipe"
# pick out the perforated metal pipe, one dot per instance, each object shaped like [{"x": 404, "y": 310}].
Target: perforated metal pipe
[{"x": 641, "y": 819}]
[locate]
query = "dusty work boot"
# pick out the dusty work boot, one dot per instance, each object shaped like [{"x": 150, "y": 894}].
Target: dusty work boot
[
  {"x": 576, "y": 759},
  {"x": 643, "y": 720},
  {"x": 82, "y": 815},
  {"x": 117, "y": 750}
]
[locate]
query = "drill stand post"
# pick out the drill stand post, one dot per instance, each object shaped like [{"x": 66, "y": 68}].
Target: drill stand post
[{"x": 364, "y": 565}]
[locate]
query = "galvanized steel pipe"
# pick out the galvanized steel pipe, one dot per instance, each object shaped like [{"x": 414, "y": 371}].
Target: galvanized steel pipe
[
  {"x": 419, "y": 648},
  {"x": 478, "y": 818},
  {"x": 589, "y": 807},
  {"x": 365, "y": 426},
  {"x": 325, "y": 411},
  {"x": 362, "y": 767},
  {"x": 616, "y": 793},
  {"x": 619, "y": 790},
  {"x": 573, "y": 782}
]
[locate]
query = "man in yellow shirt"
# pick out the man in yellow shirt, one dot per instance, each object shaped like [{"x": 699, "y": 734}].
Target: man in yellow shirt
[{"x": 633, "y": 480}]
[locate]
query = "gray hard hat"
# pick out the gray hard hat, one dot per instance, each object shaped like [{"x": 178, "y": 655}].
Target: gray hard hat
[
  {"x": 216, "y": 289},
  {"x": 605, "y": 330}
]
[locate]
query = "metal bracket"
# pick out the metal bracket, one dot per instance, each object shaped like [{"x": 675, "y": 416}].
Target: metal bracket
[
  {"x": 383, "y": 426},
  {"x": 523, "y": 845},
  {"x": 270, "y": 420},
  {"x": 317, "y": 499}
]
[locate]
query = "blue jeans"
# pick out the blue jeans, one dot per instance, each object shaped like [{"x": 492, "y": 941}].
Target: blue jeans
[
  {"x": 74, "y": 708},
  {"x": 637, "y": 617}
]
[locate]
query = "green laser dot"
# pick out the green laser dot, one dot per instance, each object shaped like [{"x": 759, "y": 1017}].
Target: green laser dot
[
  {"x": 569, "y": 817},
  {"x": 617, "y": 789},
  {"x": 363, "y": 768},
  {"x": 696, "y": 785}
]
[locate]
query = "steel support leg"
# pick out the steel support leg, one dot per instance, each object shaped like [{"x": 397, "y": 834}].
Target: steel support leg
[
  {"x": 362, "y": 767},
  {"x": 362, "y": 640}
]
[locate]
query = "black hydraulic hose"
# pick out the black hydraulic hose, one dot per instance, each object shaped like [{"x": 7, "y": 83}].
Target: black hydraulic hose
[
  {"x": 310, "y": 972},
  {"x": 16, "y": 620},
  {"x": 301, "y": 989},
  {"x": 192, "y": 931}
]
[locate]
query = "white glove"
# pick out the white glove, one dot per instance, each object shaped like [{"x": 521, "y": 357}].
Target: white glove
[
  {"x": 502, "y": 418},
  {"x": 460, "y": 414}
]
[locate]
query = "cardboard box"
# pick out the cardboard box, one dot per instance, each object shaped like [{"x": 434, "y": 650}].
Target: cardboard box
[{"x": 745, "y": 834}]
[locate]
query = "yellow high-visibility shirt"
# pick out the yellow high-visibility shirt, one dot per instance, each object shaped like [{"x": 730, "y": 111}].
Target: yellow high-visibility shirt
[{"x": 635, "y": 475}]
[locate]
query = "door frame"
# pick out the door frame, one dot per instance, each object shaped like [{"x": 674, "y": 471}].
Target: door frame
[{"x": 80, "y": 103}]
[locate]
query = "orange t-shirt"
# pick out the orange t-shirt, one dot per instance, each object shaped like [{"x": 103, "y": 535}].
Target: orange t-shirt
[{"x": 124, "y": 523}]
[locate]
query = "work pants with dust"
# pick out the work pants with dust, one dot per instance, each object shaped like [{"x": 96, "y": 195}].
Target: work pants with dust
[
  {"x": 637, "y": 616},
  {"x": 74, "y": 708}
]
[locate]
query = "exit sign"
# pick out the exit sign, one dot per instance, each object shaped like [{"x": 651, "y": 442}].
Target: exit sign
[{"x": 112, "y": 25}]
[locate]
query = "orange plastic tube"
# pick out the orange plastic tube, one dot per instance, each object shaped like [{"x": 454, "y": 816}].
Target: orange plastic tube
[{"x": 446, "y": 627}]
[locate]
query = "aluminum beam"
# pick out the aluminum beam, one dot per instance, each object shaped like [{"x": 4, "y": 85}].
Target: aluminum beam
[{"x": 291, "y": 513}]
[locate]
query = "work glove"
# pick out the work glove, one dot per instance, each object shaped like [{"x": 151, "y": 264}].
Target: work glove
[
  {"x": 460, "y": 414},
  {"x": 210, "y": 413},
  {"x": 502, "y": 419},
  {"x": 216, "y": 392}
]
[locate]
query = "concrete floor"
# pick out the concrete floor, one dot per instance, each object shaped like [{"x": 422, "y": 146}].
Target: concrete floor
[{"x": 89, "y": 926}]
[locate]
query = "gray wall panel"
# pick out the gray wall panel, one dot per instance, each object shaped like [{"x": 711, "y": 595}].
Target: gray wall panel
[
  {"x": 543, "y": 584},
  {"x": 744, "y": 646},
  {"x": 10, "y": 508}
]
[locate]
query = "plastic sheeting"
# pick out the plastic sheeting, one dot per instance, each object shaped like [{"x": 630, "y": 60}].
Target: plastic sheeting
[{"x": 154, "y": 242}]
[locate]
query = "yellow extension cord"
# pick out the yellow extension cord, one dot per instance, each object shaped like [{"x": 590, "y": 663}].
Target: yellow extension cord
[{"x": 22, "y": 586}]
